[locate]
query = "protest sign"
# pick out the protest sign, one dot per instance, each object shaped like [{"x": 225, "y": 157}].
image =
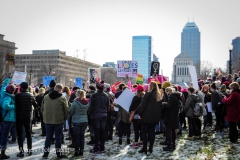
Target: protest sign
[
  {"x": 193, "y": 73},
  {"x": 126, "y": 67},
  {"x": 155, "y": 66},
  {"x": 125, "y": 99},
  {"x": 19, "y": 77},
  {"x": 78, "y": 82},
  {"x": 94, "y": 75},
  {"x": 139, "y": 79},
  {"x": 47, "y": 80},
  {"x": 161, "y": 79}
]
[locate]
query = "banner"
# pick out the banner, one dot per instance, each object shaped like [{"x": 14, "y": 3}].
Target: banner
[
  {"x": 155, "y": 66},
  {"x": 193, "y": 73},
  {"x": 139, "y": 79},
  {"x": 78, "y": 82},
  {"x": 94, "y": 75},
  {"x": 115, "y": 87},
  {"x": 126, "y": 67},
  {"x": 160, "y": 79},
  {"x": 47, "y": 80},
  {"x": 19, "y": 77}
]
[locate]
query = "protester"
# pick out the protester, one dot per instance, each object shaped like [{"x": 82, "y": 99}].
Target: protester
[
  {"x": 39, "y": 100},
  {"x": 207, "y": 101},
  {"x": 8, "y": 114},
  {"x": 55, "y": 112},
  {"x": 99, "y": 104},
  {"x": 51, "y": 85},
  {"x": 135, "y": 105},
  {"x": 233, "y": 111},
  {"x": 67, "y": 94},
  {"x": 24, "y": 103},
  {"x": 78, "y": 112},
  {"x": 149, "y": 113}
]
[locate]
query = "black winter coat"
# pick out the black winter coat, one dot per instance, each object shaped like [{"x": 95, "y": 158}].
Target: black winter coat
[
  {"x": 150, "y": 109},
  {"x": 24, "y": 102},
  {"x": 135, "y": 103},
  {"x": 172, "y": 110}
]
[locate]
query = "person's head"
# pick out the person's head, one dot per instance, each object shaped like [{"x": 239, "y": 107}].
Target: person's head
[
  {"x": 75, "y": 88},
  {"x": 175, "y": 88},
  {"x": 191, "y": 90},
  {"x": 106, "y": 87},
  {"x": 52, "y": 84},
  {"x": 36, "y": 89},
  {"x": 41, "y": 91},
  {"x": 124, "y": 87},
  {"x": 121, "y": 86},
  {"x": 67, "y": 91},
  {"x": 58, "y": 87},
  {"x": 24, "y": 86},
  {"x": 153, "y": 87},
  {"x": 80, "y": 94},
  {"x": 235, "y": 75},
  {"x": 229, "y": 76},
  {"x": 100, "y": 85},
  {"x": 30, "y": 89},
  {"x": 91, "y": 88},
  {"x": 135, "y": 86},
  {"x": 234, "y": 86},
  {"x": 213, "y": 87},
  {"x": 10, "y": 89},
  {"x": 223, "y": 88},
  {"x": 168, "y": 90},
  {"x": 140, "y": 91},
  {"x": 166, "y": 84},
  {"x": 205, "y": 88}
]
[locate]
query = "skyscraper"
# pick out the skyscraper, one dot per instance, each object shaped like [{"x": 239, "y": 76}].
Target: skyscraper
[
  {"x": 190, "y": 42},
  {"x": 155, "y": 58},
  {"x": 236, "y": 54},
  {"x": 142, "y": 52}
]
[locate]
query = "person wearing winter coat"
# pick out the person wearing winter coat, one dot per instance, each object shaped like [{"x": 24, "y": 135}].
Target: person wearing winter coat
[
  {"x": 149, "y": 113},
  {"x": 8, "y": 114},
  {"x": 233, "y": 111},
  {"x": 207, "y": 99},
  {"x": 39, "y": 100},
  {"x": 171, "y": 117},
  {"x": 193, "y": 123},
  {"x": 136, "y": 101},
  {"x": 78, "y": 112}
]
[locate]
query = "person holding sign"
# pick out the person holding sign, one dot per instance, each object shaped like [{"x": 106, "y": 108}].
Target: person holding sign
[{"x": 149, "y": 113}]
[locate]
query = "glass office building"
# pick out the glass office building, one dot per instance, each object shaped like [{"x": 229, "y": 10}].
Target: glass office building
[
  {"x": 235, "y": 54},
  {"x": 142, "y": 52},
  {"x": 190, "y": 42}
]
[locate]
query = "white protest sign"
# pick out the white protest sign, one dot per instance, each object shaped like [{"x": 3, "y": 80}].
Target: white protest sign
[
  {"x": 19, "y": 77},
  {"x": 209, "y": 106},
  {"x": 125, "y": 99},
  {"x": 127, "y": 67},
  {"x": 193, "y": 73}
]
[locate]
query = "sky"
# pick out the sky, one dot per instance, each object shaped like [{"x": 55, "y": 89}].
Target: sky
[{"x": 105, "y": 27}]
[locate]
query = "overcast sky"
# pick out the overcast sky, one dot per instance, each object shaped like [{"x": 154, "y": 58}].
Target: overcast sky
[{"x": 105, "y": 27}]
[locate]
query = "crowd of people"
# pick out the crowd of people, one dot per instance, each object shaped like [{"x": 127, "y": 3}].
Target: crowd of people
[{"x": 155, "y": 109}]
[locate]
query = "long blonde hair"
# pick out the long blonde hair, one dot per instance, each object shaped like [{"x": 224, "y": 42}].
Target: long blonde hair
[
  {"x": 67, "y": 91},
  {"x": 154, "y": 87},
  {"x": 80, "y": 94},
  {"x": 41, "y": 91}
]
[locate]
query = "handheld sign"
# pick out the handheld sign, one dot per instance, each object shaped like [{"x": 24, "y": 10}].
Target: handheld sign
[{"x": 155, "y": 66}]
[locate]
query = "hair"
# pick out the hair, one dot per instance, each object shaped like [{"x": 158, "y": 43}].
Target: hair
[
  {"x": 67, "y": 91},
  {"x": 30, "y": 89},
  {"x": 80, "y": 94},
  {"x": 191, "y": 89},
  {"x": 229, "y": 76},
  {"x": 204, "y": 87},
  {"x": 169, "y": 89},
  {"x": 124, "y": 87},
  {"x": 140, "y": 93},
  {"x": 121, "y": 86},
  {"x": 154, "y": 87},
  {"x": 41, "y": 91},
  {"x": 135, "y": 86},
  {"x": 213, "y": 86},
  {"x": 234, "y": 86},
  {"x": 58, "y": 86},
  {"x": 175, "y": 87}
]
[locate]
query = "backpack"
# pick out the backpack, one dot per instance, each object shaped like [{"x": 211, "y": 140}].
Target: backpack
[
  {"x": 198, "y": 109},
  {"x": 180, "y": 106}
]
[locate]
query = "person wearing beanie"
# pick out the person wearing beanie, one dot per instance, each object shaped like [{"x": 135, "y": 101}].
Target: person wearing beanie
[
  {"x": 51, "y": 85},
  {"x": 8, "y": 114},
  {"x": 217, "y": 107},
  {"x": 99, "y": 106},
  {"x": 166, "y": 84},
  {"x": 24, "y": 101}
]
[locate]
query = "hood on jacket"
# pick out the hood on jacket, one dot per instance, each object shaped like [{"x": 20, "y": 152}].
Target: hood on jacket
[
  {"x": 80, "y": 102},
  {"x": 194, "y": 97},
  {"x": 176, "y": 93},
  {"x": 55, "y": 94}
]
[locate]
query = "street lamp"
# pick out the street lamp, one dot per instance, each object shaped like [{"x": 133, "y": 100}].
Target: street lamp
[
  {"x": 74, "y": 83},
  {"x": 70, "y": 83},
  {"x": 230, "y": 60},
  {"x": 175, "y": 73}
]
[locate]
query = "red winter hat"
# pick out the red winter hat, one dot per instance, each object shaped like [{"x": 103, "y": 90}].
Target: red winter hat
[
  {"x": 10, "y": 88},
  {"x": 140, "y": 88},
  {"x": 179, "y": 88},
  {"x": 227, "y": 83}
]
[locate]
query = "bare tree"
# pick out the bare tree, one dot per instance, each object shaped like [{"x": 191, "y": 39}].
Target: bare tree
[
  {"x": 3, "y": 66},
  {"x": 205, "y": 69}
]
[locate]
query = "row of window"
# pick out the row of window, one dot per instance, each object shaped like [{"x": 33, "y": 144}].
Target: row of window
[{"x": 182, "y": 71}]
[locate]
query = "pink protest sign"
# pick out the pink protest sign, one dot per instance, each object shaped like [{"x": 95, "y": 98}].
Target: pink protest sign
[{"x": 160, "y": 78}]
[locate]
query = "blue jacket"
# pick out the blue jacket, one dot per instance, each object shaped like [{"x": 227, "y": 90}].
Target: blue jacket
[
  {"x": 78, "y": 112},
  {"x": 7, "y": 102}
]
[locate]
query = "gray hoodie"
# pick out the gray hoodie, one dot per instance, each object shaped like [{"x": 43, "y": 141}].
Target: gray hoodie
[{"x": 190, "y": 103}]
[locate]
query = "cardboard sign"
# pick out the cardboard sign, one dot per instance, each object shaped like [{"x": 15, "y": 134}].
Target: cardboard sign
[
  {"x": 94, "y": 75},
  {"x": 78, "y": 82},
  {"x": 155, "y": 66},
  {"x": 47, "y": 80},
  {"x": 126, "y": 67},
  {"x": 125, "y": 99},
  {"x": 19, "y": 77},
  {"x": 193, "y": 73}
]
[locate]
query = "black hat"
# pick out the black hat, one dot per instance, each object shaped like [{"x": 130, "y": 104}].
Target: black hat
[
  {"x": 92, "y": 88},
  {"x": 75, "y": 88},
  {"x": 24, "y": 85},
  {"x": 100, "y": 85},
  {"x": 52, "y": 84}
]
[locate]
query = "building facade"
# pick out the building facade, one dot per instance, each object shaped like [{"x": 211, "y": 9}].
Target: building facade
[
  {"x": 109, "y": 64},
  {"x": 236, "y": 55},
  {"x": 180, "y": 72},
  {"x": 191, "y": 43},
  {"x": 142, "y": 52},
  {"x": 7, "y": 59},
  {"x": 53, "y": 63}
]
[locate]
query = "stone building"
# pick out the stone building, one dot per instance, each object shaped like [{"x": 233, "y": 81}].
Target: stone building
[
  {"x": 7, "y": 52},
  {"x": 53, "y": 63}
]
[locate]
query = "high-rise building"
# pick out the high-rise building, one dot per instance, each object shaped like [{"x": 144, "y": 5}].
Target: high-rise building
[
  {"x": 155, "y": 58},
  {"x": 190, "y": 43},
  {"x": 109, "y": 64},
  {"x": 236, "y": 54},
  {"x": 142, "y": 52}
]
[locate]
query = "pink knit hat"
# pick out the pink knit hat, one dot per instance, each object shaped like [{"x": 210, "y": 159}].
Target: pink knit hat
[{"x": 10, "y": 88}]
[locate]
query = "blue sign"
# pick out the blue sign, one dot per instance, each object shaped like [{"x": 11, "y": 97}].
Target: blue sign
[
  {"x": 78, "y": 82},
  {"x": 47, "y": 80}
]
